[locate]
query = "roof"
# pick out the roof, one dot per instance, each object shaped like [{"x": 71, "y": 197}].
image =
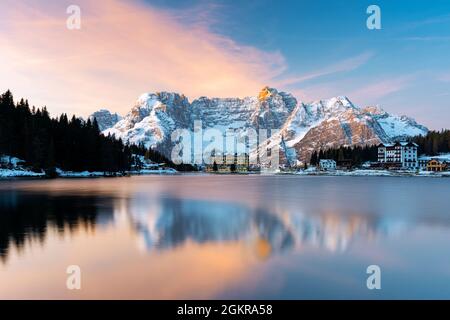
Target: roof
[
  {"x": 409, "y": 144},
  {"x": 399, "y": 143},
  {"x": 441, "y": 162},
  {"x": 385, "y": 145}
]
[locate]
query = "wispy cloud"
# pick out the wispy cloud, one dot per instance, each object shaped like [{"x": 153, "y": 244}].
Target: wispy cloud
[
  {"x": 341, "y": 66},
  {"x": 358, "y": 91},
  {"x": 205, "y": 14},
  {"x": 379, "y": 89},
  {"x": 122, "y": 50},
  {"x": 430, "y": 21},
  {"x": 427, "y": 38}
]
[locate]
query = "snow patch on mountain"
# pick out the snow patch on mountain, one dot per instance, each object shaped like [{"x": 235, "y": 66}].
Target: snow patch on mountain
[{"x": 395, "y": 126}]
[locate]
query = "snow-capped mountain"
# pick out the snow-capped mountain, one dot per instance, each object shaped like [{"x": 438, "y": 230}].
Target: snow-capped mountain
[
  {"x": 302, "y": 127},
  {"x": 105, "y": 119},
  {"x": 337, "y": 122}
]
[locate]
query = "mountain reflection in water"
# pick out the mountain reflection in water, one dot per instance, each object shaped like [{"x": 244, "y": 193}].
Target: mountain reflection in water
[
  {"x": 26, "y": 217},
  {"x": 165, "y": 223}
]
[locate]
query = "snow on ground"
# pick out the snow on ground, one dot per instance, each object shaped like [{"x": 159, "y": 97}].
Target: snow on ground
[
  {"x": 367, "y": 173},
  {"x": 10, "y": 173},
  {"x": 88, "y": 174},
  {"x": 156, "y": 171},
  {"x": 13, "y": 167},
  {"x": 347, "y": 173},
  {"x": 440, "y": 157},
  {"x": 375, "y": 173},
  {"x": 83, "y": 174}
]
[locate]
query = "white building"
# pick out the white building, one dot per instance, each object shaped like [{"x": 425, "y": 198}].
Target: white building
[
  {"x": 327, "y": 164},
  {"x": 399, "y": 154}
]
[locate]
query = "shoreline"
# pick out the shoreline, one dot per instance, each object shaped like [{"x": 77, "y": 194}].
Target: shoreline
[
  {"x": 22, "y": 175},
  {"x": 7, "y": 174},
  {"x": 377, "y": 173}
]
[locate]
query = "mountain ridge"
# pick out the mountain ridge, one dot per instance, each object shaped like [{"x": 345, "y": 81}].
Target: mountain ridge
[{"x": 303, "y": 127}]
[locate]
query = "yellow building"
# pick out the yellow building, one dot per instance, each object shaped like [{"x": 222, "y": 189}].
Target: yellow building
[
  {"x": 436, "y": 166},
  {"x": 228, "y": 163}
]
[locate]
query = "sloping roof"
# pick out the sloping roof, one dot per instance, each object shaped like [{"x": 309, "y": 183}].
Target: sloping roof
[
  {"x": 385, "y": 145},
  {"x": 436, "y": 161},
  {"x": 399, "y": 143},
  {"x": 409, "y": 144}
]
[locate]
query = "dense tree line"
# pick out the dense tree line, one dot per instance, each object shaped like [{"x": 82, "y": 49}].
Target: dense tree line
[
  {"x": 72, "y": 145},
  {"x": 356, "y": 154},
  {"x": 434, "y": 142}
]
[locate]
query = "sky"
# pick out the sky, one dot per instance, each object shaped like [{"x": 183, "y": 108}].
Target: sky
[{"x": 312, "y": 49}]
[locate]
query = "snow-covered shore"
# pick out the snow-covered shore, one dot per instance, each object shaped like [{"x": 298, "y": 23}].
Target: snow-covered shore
[
  {"x": 13, "y": 173},
  {"x": 17, "y": 173},
  {"x": 82, "y": 174},
  {"x": 154, "y": 171},
  {"x": 374, "y": 173},
  {"x": 12, "y": 167}
]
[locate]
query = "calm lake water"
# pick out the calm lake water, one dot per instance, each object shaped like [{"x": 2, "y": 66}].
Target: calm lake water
[{"x": 205, "y": 236}]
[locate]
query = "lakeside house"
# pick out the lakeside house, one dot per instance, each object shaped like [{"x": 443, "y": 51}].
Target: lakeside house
[
  {"x": 327, "y": 164},
  {"x": 436, "y": 166},
  {"x": 435, "y": 163},
  {"x": 399, "y": 155},
  {"x": 142, "y": 164},
  {"x": 8, "y": 162}
]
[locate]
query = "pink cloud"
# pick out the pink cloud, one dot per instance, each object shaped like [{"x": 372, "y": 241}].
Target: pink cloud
[
  {"x": 362, "y": 94},
  {"x": 122, "y": 50},
  {"x": 377, "y": 90}
]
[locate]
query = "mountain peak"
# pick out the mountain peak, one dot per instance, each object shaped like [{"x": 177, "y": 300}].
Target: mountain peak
[
  {"x": 342, "y": 101},
  {"x": 266, "y": 93},
  {"x": 105, "y": 119}
]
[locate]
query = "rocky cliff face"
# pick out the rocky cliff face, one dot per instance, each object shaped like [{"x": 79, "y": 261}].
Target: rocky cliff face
[{"x": 301, "y": 128}]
